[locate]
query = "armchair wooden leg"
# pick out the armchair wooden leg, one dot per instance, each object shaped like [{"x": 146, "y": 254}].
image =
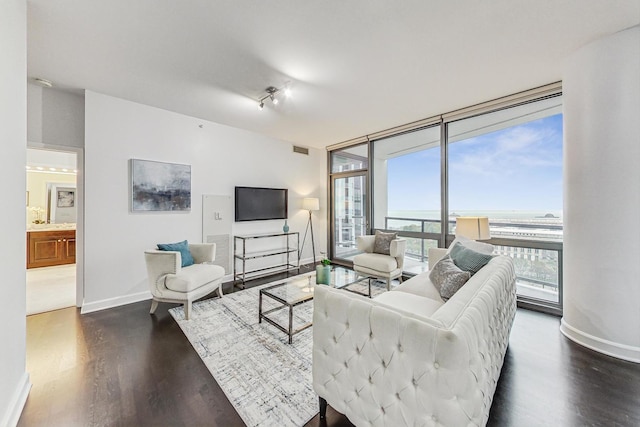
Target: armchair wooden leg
[
  {"x": 389, "y": 284},
  {"x": 220, "y": 290},
  {"x": 187, "y": 310},
  {"x": 323, "y": 408},
  {"x": 154, "y": 306}
]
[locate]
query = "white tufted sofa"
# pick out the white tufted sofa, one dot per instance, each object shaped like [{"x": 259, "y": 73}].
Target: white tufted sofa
[{"x": 407, "y": 358}]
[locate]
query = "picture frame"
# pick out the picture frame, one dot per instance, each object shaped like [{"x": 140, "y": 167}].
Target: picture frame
[
  {"x": 159, "y": 186},
  {"x": 65, "y": 199}
]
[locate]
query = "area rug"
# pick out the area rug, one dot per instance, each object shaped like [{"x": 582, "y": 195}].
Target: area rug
[{"x": 267, "y": 380}]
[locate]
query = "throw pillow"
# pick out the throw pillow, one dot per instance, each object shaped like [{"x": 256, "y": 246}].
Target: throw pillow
[
  {"x": 447, "y": 277},
  {"x": 182, "y": 247},
  {"x": 382, "y": 242},
  {"x": 483, "y": 248},
  {"x": 467, "y": 259}
]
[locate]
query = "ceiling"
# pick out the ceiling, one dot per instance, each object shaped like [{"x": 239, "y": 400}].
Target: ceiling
[{"x": 354, "y": 67}]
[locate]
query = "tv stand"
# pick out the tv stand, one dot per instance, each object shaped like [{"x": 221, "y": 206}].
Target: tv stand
[{"x": 286, "y": 245}]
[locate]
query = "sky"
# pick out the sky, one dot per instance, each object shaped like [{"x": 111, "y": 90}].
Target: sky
[{"x": 518, "y": 168}]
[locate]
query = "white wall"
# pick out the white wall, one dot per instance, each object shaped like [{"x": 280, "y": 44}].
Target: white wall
[
  {"x": 54, "y": 117},
  {"x": 14, "y": 381},
  {"x": 221, "y": 157},
  {"x": 601, "y": 88}
]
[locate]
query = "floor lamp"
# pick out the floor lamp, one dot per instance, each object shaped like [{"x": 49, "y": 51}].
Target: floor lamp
[{"x": 310, "y": 204}]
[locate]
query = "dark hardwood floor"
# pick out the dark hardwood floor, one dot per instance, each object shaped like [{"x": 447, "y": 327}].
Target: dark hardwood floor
[{"x": 123, "y": 367}]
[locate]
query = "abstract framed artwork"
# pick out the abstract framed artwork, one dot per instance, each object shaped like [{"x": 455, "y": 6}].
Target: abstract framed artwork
[
  {"x": 66, "y": 198},
  {"x": 159, "y": 186}
]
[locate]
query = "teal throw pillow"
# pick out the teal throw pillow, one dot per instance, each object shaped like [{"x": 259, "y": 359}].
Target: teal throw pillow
[
  {"x": 182, "y": 247},
  {"x": 467, "y": 259}
]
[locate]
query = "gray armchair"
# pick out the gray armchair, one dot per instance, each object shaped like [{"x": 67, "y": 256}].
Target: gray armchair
[{"x": 169, "y": 282}]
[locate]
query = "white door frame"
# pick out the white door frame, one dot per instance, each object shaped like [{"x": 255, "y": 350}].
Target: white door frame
[{"x": 79, "y": 152}]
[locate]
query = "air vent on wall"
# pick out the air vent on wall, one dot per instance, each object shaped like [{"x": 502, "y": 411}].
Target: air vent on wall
[{"x": 301, "y": 150}]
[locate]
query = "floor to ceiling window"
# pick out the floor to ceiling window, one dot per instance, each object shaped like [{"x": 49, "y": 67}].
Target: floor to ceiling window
[
  {"x": 402, "y": 164},
  {"x": 502, "y": 160},
  {"x": 507, "y": 165},
  {"x": 349, "y": 203}
]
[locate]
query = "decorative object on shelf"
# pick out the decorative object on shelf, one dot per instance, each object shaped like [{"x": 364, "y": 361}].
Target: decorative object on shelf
[
  {"x": 473, "y": 227},
  {"x": 323, "y": 271},
  {"x": 285, "y": 227},
  {"x": 271, "y": 94},
  {"x": 37, "y": 212},
  {"x": 158, "y": 186},
  {"x": 309, "y": 204}
]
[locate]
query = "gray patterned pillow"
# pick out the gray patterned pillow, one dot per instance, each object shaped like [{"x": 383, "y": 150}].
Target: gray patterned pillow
[
  {"x": 382, "y": 243},
  {"x": 447, "y": 277},
  {"x": 468, "y": 259}
]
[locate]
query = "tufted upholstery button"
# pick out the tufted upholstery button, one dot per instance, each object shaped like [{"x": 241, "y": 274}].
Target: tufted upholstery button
[
  {"x": 384, "y": 364},
  {"x": 370, "y": 380},
  {"x": 357, "y": 350},
  {"x": 325, "y": 352},
  {"x": 345, "y": 364},
  {"x": 335, "y": 340},
  {"x": 398, "y": 396},
  {"x": 436, "y": 365},
  {"x": 346, "y": 325},
  {"x": 414, "y": 382},
  {"x": 400, "y": 349},
  {"x": 382, "y": 409}
]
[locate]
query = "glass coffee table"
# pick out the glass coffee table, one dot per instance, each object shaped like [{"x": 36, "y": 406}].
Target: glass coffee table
[{"x": 298, "y": 290}]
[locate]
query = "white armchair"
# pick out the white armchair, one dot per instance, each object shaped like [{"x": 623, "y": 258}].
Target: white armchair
[
  {"x": 170, "y": 282},
  {"x": 382, "y": 266}
]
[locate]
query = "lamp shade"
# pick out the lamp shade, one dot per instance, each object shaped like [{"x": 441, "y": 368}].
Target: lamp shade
[
  {"x": 311, "y": 204},
  {"x": 473, "y": 227}
]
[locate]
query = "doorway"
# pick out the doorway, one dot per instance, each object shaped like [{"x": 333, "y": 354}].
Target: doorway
[{"x": 51, "y": 212}]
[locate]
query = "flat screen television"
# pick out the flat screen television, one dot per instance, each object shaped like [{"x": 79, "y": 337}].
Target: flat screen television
[{"x": 258, "y": 204}]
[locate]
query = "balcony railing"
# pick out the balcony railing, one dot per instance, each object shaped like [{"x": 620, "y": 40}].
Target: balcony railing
[{"x": 535, "y": 246}]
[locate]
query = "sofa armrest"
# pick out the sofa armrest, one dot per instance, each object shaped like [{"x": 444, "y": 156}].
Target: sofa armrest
[
  {"x": 365, "y": 243},
  {"x": 397, "y": 250},
  {"x": 202, "y": 252},
  {"x": 434, "y": 255},
  {"x": 159, "y": 264}
]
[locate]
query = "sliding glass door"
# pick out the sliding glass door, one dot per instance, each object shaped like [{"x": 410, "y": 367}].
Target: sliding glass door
[
  {"x": 349, "y": 201},
  {"x": 349, "y": 214}
]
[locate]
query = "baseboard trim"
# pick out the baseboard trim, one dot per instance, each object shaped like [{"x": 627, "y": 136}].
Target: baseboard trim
[
  {"x": 610, "y": 348},
  {"x": 14, "y": 410},
  {"x": 114, "y": 302}
]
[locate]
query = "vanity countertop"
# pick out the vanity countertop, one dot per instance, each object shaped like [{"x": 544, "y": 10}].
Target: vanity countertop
[{"x": 50, "y": 227}]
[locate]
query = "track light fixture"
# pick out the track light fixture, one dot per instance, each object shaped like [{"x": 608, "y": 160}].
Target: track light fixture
[{"x": 271, "y": 94}]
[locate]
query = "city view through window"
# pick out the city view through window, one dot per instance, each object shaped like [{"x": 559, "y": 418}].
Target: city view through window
[
  {"x": 512, "y": 175},
  {"x": 505, "y": 164}
]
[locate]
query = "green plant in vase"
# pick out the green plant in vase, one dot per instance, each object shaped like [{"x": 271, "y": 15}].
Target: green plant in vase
[{"x": 323, "y": 271}]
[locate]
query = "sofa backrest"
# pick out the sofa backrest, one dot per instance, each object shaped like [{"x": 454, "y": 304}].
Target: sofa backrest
[{"x": 481, "y": 313}]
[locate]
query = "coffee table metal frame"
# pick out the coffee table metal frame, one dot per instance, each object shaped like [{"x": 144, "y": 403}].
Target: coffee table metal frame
[{"x": 293, "y": 286}]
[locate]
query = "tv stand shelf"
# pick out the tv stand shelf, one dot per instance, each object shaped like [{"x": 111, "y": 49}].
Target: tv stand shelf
[{"x": 286, "y": 255}]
